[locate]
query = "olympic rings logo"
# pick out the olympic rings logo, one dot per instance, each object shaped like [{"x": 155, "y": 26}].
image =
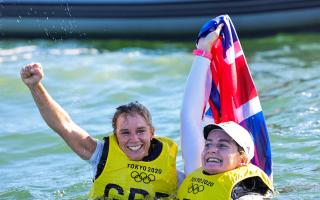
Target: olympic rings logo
[
  {"x": 144, "y": 177},
  {"x": 195, "y": 188}
]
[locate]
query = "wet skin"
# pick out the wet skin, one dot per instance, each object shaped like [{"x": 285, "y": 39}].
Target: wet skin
[
  {"x": 134, "y": 136},
  {"x": 220, "y": 153}
]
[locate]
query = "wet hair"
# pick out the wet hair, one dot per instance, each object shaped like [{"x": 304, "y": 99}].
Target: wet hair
[
  {"x": 132, "y": 108},
  {"x": 241, "y": 150}
]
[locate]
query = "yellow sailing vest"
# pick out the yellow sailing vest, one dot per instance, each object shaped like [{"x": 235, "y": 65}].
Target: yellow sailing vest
[
  {"x": 198, "y": 185},
  {"x": 122, "y": 178}
]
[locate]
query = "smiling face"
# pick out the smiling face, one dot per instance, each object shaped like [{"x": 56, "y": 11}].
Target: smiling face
[
  {"x": 220, "y": 153},
  {"x": 134, "y": 135}
]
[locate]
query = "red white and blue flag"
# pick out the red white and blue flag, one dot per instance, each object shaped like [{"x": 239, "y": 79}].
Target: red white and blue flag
[{"x": 233, "y": 94}]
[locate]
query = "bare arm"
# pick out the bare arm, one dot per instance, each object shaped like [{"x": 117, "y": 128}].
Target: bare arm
[
  {"x": 57, "y": 118},
  {"x": 195, "y": 98}
]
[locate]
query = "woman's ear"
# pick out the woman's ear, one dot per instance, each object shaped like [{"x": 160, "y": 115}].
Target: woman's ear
[
  {"x": 243, "y": 160},
  {"x": 152, "y": 132}
]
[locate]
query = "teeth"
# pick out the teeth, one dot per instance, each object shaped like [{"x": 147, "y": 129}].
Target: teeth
[
  {"x": 135, "y": 148},
  {"x": 213, "y": 160}
]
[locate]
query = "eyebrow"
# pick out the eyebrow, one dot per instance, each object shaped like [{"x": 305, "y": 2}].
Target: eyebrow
[
  {"x": 224, "y": 140},
  {"x": 138, "y": 128},
  {"x": 220, "y": 140},
  {"x": 142, "y": 127}
]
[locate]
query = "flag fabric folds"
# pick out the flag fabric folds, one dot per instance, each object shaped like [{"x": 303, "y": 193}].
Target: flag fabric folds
[{"x": 233, "y": 94}]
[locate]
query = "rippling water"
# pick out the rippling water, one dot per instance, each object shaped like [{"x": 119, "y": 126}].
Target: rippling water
[{"x": 90, "y": 78}]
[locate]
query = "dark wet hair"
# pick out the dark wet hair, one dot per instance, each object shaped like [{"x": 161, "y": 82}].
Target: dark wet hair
[
  {"x": 241, "y": 150},
  {"x": 131, "y": 109}
]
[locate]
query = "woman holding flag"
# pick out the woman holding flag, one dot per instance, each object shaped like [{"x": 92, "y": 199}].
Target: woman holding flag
[{"x": 220, "y": 78}]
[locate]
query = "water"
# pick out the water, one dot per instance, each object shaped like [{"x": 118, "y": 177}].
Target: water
[{"x": 90, "y": 78}]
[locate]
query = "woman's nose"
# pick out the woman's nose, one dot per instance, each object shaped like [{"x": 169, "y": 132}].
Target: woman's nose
[
  {"x": 134, "y": 137},
  {"x": 213, "y": 149}
]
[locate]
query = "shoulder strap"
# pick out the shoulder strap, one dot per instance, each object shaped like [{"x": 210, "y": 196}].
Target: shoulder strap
[{"x": 103, "y": 158}]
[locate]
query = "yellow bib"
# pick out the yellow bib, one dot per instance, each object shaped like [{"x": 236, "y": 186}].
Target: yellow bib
[
  {"x": 219, "y": 186},
  {"x": 122, "y": 178}
]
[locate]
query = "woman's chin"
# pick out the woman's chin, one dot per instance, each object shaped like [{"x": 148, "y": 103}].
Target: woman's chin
[
  {"x": 136, "y": 156},
  {"x": 212, "y": 168}
]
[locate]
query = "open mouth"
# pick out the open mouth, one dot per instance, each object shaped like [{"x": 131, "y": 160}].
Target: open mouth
[
  {"x": 213, "y": 160},
  {"x": 135, "y": 147}
]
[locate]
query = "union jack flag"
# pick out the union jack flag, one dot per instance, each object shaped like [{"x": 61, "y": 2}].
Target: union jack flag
[{"x": 233, "y": 94}]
